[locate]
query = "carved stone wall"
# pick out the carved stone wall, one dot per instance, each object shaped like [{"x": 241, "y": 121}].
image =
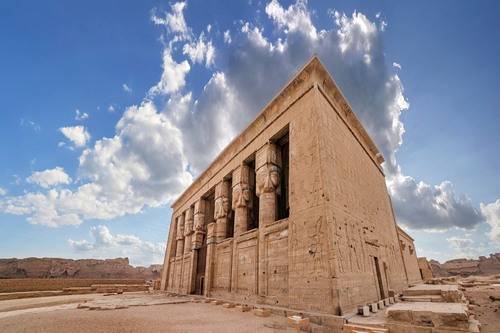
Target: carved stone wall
[{"x": 338, "y": 247}]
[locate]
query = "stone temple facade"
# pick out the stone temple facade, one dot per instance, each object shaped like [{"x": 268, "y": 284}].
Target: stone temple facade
[{"x": 294, "y": 212}]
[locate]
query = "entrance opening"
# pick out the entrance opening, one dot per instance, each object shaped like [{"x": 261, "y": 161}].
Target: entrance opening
[
  {"x": 379, "y": 278},
  {"x": 254, "y": 212},
  {"x": 230, "y": 213},
  {"x": 283, "y": 207},
  {"x": 200, "y": 268}
]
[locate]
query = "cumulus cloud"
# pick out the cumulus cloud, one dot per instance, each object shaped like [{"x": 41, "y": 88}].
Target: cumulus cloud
[
  {"x": 79, "y": 116},
  {"x": 78, "y": 135},
  {"x": 104, "y": 244},
  {"x": 200, "y": 51},
  {"x": 50, "y": 177},
  {"x": 174, "y": 21},
  {"x": 146, "y": 162},
  {"x": 492, "y": 214},
  {"x": 464, "y": 247},
  {"x": 422, "y": 206},
  {"x": 3, "y": 191},
  {"x": 173, "y": 77},
  {"x": 111, "y": 109}
]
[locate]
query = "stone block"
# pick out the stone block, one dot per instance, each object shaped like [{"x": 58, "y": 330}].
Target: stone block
[
  {"x": 373, "y": 307},
  {"x": 228, "y": 305},
  {"x": 386, "y": 302},
  {"x": 243, "y": 308},
  {"x": 392, "y": 300},
  {"x": 381, "y": 305},
  {"x": 298, "y": 323},
  {"x": 261, "y": 312}
]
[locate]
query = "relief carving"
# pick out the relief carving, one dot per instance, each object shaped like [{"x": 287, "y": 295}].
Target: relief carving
[
  {"x": 267, "y": 179},
  {"x": 221, "y": 207},
  {"x": 242, "y": 196}
]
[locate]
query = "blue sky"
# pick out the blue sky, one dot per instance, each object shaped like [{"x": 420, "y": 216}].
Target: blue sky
[{"x": 140, "y": 71}]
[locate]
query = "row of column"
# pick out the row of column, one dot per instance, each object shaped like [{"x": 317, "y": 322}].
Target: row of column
[{"x": 190, "y": 226}]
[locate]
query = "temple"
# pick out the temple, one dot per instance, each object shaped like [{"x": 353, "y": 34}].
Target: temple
[{"x": 294, "y": 212}]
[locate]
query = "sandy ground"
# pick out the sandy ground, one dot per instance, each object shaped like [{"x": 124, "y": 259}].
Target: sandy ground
[
  {"x": 184, "y": 317},
  {"x": 485, "y": 310}
]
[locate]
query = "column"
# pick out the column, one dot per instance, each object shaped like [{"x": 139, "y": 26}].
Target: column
[
  {"x": 187, "y": 267},
  {"x": 267, "y": 164},
  {"x": 221, "y": 210},
  {"x": 188, "y": 229},
  {"x": 199, "y": 224},
  {"x": 209, "y": 270},
  {"x": 267, "y": 169},
  {"x": 180, "y": 236},
  {"x": 242, "y": 198}
]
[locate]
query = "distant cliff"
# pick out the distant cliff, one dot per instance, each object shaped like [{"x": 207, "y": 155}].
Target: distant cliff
[
  {"x": 465, "y": 267},
  {"x": 118, "y": 268}
]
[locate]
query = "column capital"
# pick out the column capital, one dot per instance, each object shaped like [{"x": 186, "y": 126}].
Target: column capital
[
  {"x": 221, "y": 200},
  {"x": 180, "y": 227},
  {"x": 189, "y": 222},
  {"x": 267, "y": 169}
]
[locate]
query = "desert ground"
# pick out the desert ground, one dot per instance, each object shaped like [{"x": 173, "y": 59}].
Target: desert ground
[
  {"x": 141, "y": 312},
  {"x": 157, "y": 312}
]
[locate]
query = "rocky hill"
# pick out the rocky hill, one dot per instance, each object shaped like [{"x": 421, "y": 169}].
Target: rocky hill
[
  {"x": 118, "y": 268},
  {"x": 465, "y": 267}
]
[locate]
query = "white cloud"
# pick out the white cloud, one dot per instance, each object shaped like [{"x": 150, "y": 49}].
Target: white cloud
[
  {"x": 296, "y": 18},
  {"x": 78, "y": 135},
  {"x": 173, "y": 77},
  {"x": 145, "y": 163},
  {"x": 492, "y": 214},
  {"x": 111, "y": 108},
  {"x": 3, "y": 191},
  {"x": 174, "y": 21},
  {"x": 422, "y": 206},
  {"x": 79, "y": 116},
  {"x": 105, "y": 245},
  {"x": 126, "y": 88},
  {"x": 200, "y": 51},
  {"x": 227, "y": 37},
  {"x": 50, "y": 177},
  {"x": 395, "y": 64},
  {"x": 465, "y": 247}
]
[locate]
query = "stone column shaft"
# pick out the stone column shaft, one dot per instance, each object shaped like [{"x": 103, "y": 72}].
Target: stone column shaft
[
  {"x": 209, "y": 269},
  {"x": 267, "y": 164},
  {"x": 221, "y": 210}
]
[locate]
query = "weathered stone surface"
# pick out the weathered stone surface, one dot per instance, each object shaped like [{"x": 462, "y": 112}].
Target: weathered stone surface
[
  {"x": 465, "y": 267},
  {"x": 312, "y": 215},
  {"x": 83, "y": 268}
]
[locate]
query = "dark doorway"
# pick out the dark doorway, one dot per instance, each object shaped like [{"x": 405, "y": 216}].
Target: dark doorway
[
  {"x": 379, "y": 278},
  {"x": 200, "y": 268}
]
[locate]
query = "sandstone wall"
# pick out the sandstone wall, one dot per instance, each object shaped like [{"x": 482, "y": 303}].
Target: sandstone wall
[
  {"x": 339, "y": 246},
  {"x": 68, "y": 268},
  {"x": 409, "y": 257},
  {"x": 360, "y": 223},
  {"x": 425, "y": 269}
]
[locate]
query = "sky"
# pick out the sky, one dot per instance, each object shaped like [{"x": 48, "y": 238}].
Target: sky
[{"x": 110, "y": 109}]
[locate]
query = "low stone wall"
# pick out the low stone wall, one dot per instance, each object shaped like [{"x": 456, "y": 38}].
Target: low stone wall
[{"x": 19, "y": 285}]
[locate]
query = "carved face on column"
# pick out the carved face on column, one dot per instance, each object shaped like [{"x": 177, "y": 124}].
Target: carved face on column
[
  {"x": 199, "y": 222},
  {"x": 267, "y": 179},
  {"x": 221, "y": 207},
  {"x": 242, "y": 196}
]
